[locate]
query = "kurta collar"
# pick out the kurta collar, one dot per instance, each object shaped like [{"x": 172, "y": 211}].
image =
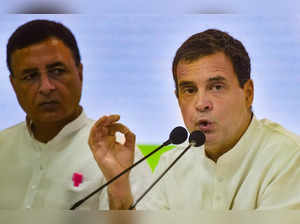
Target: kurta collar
[
  {"x": 70, "y": 128},
  {"x": 242, "y": 147}
]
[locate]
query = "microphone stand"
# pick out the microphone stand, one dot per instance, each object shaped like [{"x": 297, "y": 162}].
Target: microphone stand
[
  {"x": 155, "y": 182},
  {"x": 197, "y": 138},
  {"x": 77, "y": 204}
]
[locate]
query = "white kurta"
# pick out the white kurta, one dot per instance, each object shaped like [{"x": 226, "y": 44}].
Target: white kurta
[
  {"x": 262, "y": 171},
  {"x": 38, "y": 175}
]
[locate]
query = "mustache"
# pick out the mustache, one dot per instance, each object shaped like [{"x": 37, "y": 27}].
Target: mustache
[{"x": 43, "y": 102}]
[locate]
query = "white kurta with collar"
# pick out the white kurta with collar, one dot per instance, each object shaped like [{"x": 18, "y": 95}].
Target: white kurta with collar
[
  {"x": 38, "y": 175},
  {"x": 262, "y": 171}
]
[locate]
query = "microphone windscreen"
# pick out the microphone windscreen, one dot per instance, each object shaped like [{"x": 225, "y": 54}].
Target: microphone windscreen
[
  {"x": 178, "y": 135},
  {"x": 197, "y": 138}
]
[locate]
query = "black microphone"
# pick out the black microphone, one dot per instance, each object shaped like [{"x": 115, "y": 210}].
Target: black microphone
[
  {"x": 177, "y": 136},
  {"x": 196, "y": 139}
]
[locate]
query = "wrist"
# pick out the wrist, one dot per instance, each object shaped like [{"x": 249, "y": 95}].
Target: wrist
[{"x": 119, "y": 194}]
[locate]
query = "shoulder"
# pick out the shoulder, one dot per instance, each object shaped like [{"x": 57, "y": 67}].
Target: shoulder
[
  {"x": 277, "y": 135},
  {"x": 276, "y": 128},
  {"x": 11, "y": 137},
  {"x": 276, "y": 146},
  {"x": 81, "y": 128},
  {"x": 13, "y": 130}
]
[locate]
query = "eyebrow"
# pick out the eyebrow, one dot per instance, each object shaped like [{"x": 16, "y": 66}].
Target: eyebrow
[
  {"x": 212, "y": 79},
  {"x": 29, "y": 70},
  {"x": 185, "y": 83},
  {"x": 216, "y": 79},
  {"x": 55, "y": 64}
]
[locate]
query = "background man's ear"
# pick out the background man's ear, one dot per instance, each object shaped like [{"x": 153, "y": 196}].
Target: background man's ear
[
  {"x": 12, "y": 81},
  {"x": 249, "y": 92},
  {"x": 80, "y": 67}
]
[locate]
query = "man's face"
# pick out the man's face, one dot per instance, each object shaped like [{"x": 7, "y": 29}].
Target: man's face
[
  {"x": 212, "y": 101},
  {"x": 47, "y": 81}
]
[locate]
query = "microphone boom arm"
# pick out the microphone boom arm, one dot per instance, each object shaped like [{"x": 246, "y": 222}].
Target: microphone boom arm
[
  {"x": 155, "y": 182},
  {"x": 77, "y": 204}
]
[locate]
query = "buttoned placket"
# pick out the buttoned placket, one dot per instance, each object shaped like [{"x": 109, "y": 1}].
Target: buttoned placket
[
  {"x": 43, "y": 153},
  {"x": 36, "y": 177},
  {"x": 220, "y": 194},
  {"x": 38, "y": 172}
]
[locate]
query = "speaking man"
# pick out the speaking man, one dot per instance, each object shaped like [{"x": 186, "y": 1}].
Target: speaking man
[{"x": 245, "y": 163}]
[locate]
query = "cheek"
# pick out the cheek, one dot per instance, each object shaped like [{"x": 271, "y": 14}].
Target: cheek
[
  {"x": 232, "y": 113},
  {"x": 26, "y": 101},
  {"x": 70, "y": 93},
  {"x": 187, "y": 112},
  {"x": 25, "y": 95},
  {"x": 73, "y": 86}
]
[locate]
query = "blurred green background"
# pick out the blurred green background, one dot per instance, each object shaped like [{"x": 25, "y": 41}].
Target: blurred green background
[{"x": 153, "y": 160}]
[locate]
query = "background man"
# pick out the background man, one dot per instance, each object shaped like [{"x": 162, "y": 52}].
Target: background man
[
  {"x": 246, "y": 163},
  {"x": 39, "y": 157}
]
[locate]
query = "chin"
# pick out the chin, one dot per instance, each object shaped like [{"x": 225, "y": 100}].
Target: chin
[
  {"x": 210, "y": 138},
  {"x": 51, "y": 118}
]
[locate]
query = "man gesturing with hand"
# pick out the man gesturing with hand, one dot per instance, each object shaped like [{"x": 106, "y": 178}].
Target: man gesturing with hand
[{"x": 113, "y": 157}]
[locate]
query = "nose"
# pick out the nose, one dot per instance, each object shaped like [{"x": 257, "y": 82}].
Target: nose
[
  {"x": 203, "y": 103},
  {"x": 46, "y": 85}
]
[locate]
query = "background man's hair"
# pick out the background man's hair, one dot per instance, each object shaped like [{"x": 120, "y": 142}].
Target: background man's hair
[{"x": 36, "y": 31}]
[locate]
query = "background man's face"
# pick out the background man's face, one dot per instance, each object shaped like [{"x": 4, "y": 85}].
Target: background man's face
[
  {"x": 47, "y": 81},
  {"x": 212, "y": 101}
]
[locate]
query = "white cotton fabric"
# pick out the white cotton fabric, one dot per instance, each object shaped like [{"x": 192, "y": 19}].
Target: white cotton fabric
[
  {"x": 38, "y": 175},
  {"x": 262, "y": 171}
]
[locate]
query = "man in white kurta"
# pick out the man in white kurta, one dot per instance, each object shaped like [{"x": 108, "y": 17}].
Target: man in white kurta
[
  {"x": 262, "y": 171},
  {"x": 39, "y": 175},
  {"x": 39, "y": 157},
  {"x": 245, "y": 163}
]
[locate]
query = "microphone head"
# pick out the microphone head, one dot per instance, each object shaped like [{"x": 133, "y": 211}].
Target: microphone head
[
  {"x": 178, "y": 135},
  {"x": 197, "y": 138}
]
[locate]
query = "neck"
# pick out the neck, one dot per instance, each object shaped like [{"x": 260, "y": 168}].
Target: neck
[
  {"x": 44, "y": 132},
  {"x": 214, "y": 153}
]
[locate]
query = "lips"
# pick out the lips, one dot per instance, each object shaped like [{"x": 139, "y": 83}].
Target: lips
[
  {"x": 48, "y": 102},
  {"x": 205, "y": 125},
  {"x": 51, "y": 104}
]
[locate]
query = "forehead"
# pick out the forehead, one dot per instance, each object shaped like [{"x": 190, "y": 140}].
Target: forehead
[
  {"x": 41, "y": 53},
  {"x": 205, "y": 68}
]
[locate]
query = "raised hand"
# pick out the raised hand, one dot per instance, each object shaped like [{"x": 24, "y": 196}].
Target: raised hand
[{"x": 112, "y": 157}]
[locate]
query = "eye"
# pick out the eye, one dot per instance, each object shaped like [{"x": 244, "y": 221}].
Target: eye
[
  {"x": 30, "y": 76},
  {"x": 189, "y": 90},
  {"x": 56, "y": 71},
  {"x": 217, "y": 87}
]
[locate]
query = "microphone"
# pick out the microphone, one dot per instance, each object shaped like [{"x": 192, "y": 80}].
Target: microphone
[
  {"x": 177, "y": 136},
  {"x": 196, "y": 139}
]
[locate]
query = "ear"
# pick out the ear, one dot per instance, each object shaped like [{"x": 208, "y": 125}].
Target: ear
[
  {"x": 80, "y": 71},
  {"x": 176, "y": 93},
  {"x": 12, "y": 81},
  {"x": 249, "y": 92}
]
